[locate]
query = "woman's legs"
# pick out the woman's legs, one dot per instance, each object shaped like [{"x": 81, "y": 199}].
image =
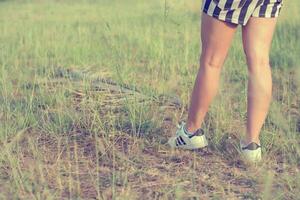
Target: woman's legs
[
  {"x": 257, "y": 38},
  {"x": 216, "y": 37}
]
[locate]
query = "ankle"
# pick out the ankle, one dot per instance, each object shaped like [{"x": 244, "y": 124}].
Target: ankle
[
  {"x": 191, "y": 128},
  {"x": 248, "y": 140}
]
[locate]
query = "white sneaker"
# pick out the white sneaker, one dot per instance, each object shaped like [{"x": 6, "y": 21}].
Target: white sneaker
[
  {"x": 251, "y": 152},
  {"x": 185, "y": 141}
]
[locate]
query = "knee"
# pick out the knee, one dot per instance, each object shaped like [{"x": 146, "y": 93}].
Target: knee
[
  {"x": 257, "y": 60},
  {"x": 211, "y": 62}
]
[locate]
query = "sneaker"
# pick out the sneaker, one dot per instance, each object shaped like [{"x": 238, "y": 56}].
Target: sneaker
[
  {"x": 188, "y": 141},
  {"x": 251, "y": 152}
]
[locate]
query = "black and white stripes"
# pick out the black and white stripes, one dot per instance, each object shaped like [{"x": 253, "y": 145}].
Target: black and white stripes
[
  {"x": 239, "y": 11},
  {"x": 180, "y": 141},
  {"x": 270, "y": 8}
]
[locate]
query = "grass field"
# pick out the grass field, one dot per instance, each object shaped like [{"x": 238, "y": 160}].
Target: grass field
[{"x": 91, "y": 90}]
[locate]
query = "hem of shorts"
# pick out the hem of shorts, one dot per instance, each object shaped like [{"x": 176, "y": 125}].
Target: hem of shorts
[
  {"x": 232, "y": 20},
  {"x": 264, "y": 16}
]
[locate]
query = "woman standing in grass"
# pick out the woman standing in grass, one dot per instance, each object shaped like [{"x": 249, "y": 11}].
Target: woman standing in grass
[{"x": 220, "y": 19}]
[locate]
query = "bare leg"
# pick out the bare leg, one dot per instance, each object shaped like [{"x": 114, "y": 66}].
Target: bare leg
[
  {"x": 216, "y": 37},
  {"x": 257, "y": 38}
]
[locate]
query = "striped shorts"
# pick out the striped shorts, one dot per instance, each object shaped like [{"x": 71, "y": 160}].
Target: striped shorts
[{"x": 240, "y": 11}]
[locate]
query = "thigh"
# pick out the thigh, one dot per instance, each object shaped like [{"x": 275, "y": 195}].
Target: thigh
[
  {"x": 216, "y": 37},
  {"x": 257, "y": 39}
]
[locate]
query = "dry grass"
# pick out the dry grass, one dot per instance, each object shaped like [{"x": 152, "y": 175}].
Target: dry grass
[{"x": 85, "y": 163}]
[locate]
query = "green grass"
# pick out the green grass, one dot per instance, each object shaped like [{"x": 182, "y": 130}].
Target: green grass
[{"x": 62, "y": 138}]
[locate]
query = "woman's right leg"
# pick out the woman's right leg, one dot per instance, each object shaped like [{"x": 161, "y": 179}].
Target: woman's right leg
[{"x": 216, "y": 37}]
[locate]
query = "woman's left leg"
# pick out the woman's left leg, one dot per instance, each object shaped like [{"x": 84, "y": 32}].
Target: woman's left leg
[{"x": 257, "y": 39}]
